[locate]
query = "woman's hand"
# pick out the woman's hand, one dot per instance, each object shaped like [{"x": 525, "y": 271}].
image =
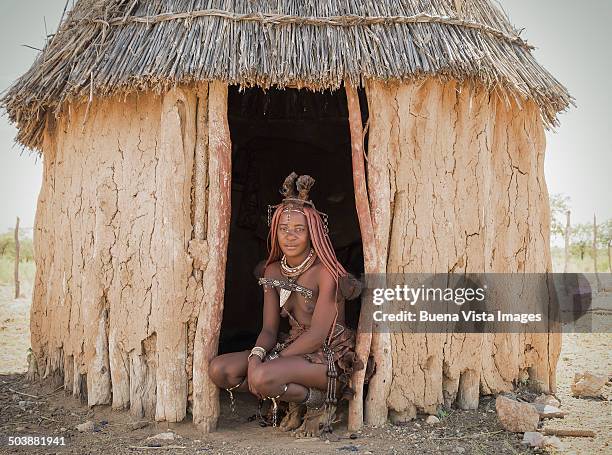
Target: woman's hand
[{"x": 254, "y": 363}]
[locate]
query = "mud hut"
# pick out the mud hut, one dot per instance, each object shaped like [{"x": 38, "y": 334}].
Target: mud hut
[{"x": 165, "y": 128}]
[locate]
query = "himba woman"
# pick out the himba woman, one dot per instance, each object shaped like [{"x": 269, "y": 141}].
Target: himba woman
[{"x": 311, "y": 366}]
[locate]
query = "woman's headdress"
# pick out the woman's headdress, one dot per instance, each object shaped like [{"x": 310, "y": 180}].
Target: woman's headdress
[{"x": 296, "y": 191}]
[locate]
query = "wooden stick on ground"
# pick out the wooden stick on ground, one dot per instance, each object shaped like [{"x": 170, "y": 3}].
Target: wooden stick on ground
[
  {"x": 569, "y": 432},
  {"x": 23, "y": 393}
]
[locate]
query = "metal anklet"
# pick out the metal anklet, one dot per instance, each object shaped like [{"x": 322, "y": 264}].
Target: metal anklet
[
  {"x": 315, "y": 398},
  {"x": 232, "y": 400},
  {"x": 275, "y": 405}
]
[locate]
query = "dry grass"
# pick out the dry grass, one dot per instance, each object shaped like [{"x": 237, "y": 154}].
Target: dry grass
[{"x": 107, "y": 47}]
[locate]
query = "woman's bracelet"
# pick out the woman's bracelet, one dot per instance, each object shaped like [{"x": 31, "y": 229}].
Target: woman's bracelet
[{"x": 258, "y": 351}]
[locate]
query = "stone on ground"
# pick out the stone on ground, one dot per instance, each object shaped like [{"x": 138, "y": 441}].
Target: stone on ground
[
  {"x": 552, "y": 442},
  {"x": 516, "y": 417},
  {"x": 167, "y": 436},
  {"x": 85, "y": 426},
  {"x": 547, "y": 400},
  {"x": 533, "y": 438},
  {"x": 548, "y": 412},
  {"x": 587, "y": 384}
]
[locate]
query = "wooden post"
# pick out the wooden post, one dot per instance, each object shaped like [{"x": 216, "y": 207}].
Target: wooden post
[
  {"x": 610, "y": 255},
  {"x": 17, "y": 259},
  {"x": 595, "y": 252},
  {"x": 381, "y": 151},
  {"x": 567, "y": 240},
  {"x": 364, "y": 331},
  {"x": 205, "y": 392}
]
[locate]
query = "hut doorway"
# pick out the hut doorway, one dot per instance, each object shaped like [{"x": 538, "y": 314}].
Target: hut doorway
[{"x": 274, "y": 132}]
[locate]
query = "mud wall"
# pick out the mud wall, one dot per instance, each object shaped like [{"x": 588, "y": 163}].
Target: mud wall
[
  {"x": 118, "y": 293},
  {"x": 456, "y": 183}
]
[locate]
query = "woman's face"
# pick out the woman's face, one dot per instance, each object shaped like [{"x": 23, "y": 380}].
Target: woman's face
[{"x": 293, "y": 236}]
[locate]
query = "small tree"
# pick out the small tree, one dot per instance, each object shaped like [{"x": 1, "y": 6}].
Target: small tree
[
  {"x": 604, "y": 233},
  {"x": 7, "y": 245},
  {"x": 581, "y": 237},
  {"x": 559, "y": 206}
]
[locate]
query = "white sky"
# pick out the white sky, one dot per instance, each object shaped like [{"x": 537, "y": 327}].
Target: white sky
[{"x": 572, "y": 43}]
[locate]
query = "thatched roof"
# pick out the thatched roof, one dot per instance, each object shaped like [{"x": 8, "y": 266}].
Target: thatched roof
[{"x": 110, "y": 46}]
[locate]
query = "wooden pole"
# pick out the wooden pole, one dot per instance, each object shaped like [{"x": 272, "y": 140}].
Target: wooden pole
[
  {"x": 576, "y": 433},
  {"x": 380, "y": 156},
  {"x": 17, "y": 259},
  {"x": 610, "y": 255},
  {"x": 205, "y": 392},
  {"x": 567, "y": 240},
  {"x": 595, "y": 251},
  {"x": 364, "y": 330}
]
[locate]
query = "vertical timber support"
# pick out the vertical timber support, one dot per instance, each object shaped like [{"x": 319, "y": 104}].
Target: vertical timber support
[
  {"x": 171, "y": 236},
  {"x": 383, "y": 147},
  {"x": 364, "y": 332},
  {"x": 205, "y": 393},
  {"x": 374, "y": 213}
]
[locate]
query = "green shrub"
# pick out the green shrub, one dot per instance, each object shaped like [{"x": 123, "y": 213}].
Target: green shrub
[{"x": 7, "y": 246}]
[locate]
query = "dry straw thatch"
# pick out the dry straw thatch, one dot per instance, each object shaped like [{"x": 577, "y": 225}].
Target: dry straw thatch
[{"x": 112, "y": 46}]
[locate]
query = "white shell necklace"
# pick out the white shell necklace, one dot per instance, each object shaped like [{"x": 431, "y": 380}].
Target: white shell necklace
[
  {"x": 289, "y": 271},
  {"x": 293, "y": 272}
]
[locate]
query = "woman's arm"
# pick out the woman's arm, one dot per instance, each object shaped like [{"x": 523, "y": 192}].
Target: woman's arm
[
  {"x": 271, "y": 316},
  {"x": 322, "y": 319}
]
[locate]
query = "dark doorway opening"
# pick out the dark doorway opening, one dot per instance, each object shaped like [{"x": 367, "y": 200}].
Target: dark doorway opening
[{"x": 274, "y": 132}]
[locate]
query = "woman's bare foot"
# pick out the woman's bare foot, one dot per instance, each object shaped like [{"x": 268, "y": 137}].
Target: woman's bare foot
[
  {"x": 293, "y": 418},
  {"x": 315, "y": 422}
]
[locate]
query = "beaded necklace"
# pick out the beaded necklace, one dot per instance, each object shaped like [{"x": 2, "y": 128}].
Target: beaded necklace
[{"x": 292, "y": 273}]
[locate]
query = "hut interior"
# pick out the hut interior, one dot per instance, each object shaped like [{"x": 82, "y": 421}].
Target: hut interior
[{"x": 273, "y": 133}]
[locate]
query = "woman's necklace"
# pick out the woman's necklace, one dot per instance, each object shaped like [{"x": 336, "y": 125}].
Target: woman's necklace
[
  {"x": 292, "y": 273},
  {"x": 296, "y": 271}
]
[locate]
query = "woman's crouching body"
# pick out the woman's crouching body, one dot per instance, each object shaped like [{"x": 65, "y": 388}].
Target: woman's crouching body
[{"x": 311, "y": 366}]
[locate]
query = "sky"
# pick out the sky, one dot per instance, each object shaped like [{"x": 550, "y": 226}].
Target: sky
[{"x": 571, "y": 41}]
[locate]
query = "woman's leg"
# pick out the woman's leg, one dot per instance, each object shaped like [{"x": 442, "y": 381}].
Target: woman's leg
[
  {"x": 228, "y": 370},
  {"x": 296, "y": 372}
]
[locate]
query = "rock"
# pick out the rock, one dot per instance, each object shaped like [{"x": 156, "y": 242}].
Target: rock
[
  {"x": 432, "y": 420},
  {"x": 552, "y": 442},
  {"x": 548, "y": 412},
  {"x": 167, "y": 436},
  {"x": 587, "y": 384},
  {"x": 459, "y": 449},
  {"x": 516, "y": 417},
  {"x": 86, "y": 426},
  {"x": 403, "y": 417},
  {"x": 547, "y": 400},
  {"x": 137, "y": 425},
  {"x": 533, "y": 438}
]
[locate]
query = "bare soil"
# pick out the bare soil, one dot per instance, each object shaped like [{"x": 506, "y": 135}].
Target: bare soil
[{"x": 42, "y": 409}]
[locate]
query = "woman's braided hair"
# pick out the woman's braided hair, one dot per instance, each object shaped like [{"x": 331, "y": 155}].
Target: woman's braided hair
[{"x": 296, "y": 190}]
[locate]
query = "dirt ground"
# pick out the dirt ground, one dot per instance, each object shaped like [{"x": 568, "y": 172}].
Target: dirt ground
[{"x": 43, "y": 410}]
